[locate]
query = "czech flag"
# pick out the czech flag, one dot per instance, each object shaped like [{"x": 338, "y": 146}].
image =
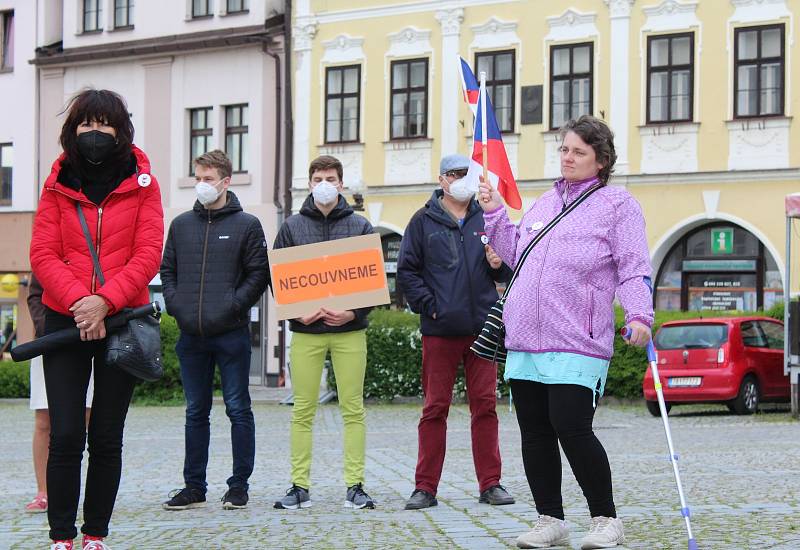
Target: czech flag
[
  {"x": 469, "y": 85},
  {"x": 487, "y": 134}
]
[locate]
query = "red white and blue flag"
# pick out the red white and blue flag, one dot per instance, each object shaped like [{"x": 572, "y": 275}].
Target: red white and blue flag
[
  {"x": 487, "y": 133},
  {"x": 469, "y": 85}
]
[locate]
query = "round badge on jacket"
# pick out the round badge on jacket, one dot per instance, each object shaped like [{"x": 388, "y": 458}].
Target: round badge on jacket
[{"x": 144, "y": 180}]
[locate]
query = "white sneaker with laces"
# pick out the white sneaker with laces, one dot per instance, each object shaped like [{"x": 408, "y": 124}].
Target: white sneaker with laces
[
  {"x": 548, "y": 531},
  {"x": 604, "y": 533}
]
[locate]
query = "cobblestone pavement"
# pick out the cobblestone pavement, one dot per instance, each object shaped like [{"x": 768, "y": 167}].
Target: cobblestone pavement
[{"x": 741, "y": 475}]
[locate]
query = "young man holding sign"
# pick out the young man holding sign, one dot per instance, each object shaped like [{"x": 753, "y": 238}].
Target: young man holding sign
[
  {"x": 326, "y": 216},
  {"x": 447, "y": 272}
]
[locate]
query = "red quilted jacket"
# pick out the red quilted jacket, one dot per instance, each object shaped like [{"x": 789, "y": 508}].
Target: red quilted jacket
[{"x": 127, "y": 228}]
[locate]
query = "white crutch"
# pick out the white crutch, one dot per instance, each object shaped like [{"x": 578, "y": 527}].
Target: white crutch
[{"x": 651, "y": 357}]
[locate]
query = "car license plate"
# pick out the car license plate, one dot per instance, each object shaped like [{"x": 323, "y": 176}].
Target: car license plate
[{"x": 684, "y": 382}]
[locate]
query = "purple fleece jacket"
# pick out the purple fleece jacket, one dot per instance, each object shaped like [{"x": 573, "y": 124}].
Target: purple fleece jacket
[{"x": 563, "y": 298}]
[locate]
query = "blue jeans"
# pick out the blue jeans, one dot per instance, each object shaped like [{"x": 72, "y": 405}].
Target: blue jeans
[{"x": 198, "y": 355}]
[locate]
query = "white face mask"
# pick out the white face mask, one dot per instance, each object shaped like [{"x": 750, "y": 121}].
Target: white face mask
[
  {"x": 460, "y": 191},
  {"x": 325, "y": 193},
  {"x": 207, "y": 193}
]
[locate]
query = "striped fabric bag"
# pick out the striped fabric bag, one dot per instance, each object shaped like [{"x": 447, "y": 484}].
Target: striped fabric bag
[{"x": 491, "y": 342}]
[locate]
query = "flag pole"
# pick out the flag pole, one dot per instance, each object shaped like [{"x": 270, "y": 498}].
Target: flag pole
[
  {"x": 461, "y": 74},
  {"x": 484, "y": 147}
]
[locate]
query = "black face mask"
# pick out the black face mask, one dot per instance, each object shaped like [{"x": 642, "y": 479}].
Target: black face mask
[{"x": 96, "y": 146}]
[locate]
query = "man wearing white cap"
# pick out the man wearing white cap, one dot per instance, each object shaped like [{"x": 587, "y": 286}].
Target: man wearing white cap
[{"x": 447, "y": 272}]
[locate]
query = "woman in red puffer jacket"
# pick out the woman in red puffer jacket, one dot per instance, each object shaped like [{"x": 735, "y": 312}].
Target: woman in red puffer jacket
[{"x": 106, "y": 174}]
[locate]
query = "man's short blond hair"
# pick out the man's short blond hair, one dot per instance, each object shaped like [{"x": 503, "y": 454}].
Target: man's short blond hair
[{"x": 216, "y": 159}]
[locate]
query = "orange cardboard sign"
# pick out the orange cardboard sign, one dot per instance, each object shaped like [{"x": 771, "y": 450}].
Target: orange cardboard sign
[
  {"x": 340, "y": 274},
  {"x": 337, "y": 275}
]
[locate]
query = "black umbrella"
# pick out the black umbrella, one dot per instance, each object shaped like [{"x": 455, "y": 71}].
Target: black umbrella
[{"x": 70, "y": 335}]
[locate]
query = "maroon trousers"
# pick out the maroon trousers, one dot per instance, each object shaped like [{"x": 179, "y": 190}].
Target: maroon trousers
[{"x": 440, "y": 359}]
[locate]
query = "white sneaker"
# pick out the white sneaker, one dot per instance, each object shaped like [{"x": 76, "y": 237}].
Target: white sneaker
[
  {"x": 548, "y": 531},
  {"x": 604, "y": 533}
]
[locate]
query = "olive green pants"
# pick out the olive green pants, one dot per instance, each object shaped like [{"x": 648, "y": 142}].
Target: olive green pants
[{"x": 349, "y": 358}]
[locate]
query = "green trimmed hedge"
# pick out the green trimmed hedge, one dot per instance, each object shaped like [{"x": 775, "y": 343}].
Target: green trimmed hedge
[
  {"x": 168, "y": 390},
  {"x": 15, "y": 377},
  {"x": 394, "y": 356},
  {"x": 394, "y": 361}
]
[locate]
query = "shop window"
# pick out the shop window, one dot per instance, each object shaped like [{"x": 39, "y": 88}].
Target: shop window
[
  {"x": 391, "y": 252},
  {"x": 668, "y": 288},
  {"x": 719, "y": 241},
  {"x": 721, "y": 291},
  {"x": 8, "y": 324},
  {"x": 718, "y": 267},
  {"x": 773, "y": 283}
]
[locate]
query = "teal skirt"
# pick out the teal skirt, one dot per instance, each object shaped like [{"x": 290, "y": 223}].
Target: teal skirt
[{"x": 558, "y": 368}]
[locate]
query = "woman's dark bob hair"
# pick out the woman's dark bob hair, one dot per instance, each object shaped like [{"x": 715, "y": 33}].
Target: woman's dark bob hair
[
  {"x": 102, "y": 106},
  {"x": 599, "y": 136}
]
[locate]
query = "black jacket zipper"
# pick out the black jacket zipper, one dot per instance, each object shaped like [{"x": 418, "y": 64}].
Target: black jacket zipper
[
  {"x": 469, "y": 276},
  {"x": 203, "y": 277}
]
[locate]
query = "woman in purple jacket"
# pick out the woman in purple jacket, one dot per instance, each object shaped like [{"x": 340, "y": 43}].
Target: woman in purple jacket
[{"x": 559, "y": 319}]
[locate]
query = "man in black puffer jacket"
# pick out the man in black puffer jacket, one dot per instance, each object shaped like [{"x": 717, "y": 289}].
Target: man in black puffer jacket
[
  {"x": 447, "y": 272},
  {"x": 326, "y": 216},
  {"x": 214, "y": 269}
]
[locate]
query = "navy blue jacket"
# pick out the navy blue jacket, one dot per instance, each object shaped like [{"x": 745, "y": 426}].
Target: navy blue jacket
[{"x": 442, "y": 269}]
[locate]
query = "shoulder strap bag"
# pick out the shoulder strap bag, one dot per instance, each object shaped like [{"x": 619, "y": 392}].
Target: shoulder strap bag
[
  {"x": 490, "y": 343},
  {"x": 136, "y": 347}
]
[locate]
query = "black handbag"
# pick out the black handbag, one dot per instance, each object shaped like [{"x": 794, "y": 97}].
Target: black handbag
[
  {"x": 136, "y": 347},
  {"x": 490, "y": 343}
]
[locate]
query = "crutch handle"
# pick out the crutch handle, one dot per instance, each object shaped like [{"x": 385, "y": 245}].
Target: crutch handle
[{"x": 651, "y": 350}]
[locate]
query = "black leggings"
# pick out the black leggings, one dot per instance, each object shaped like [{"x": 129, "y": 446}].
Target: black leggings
[
  {"x": 66, "y": 374},
  {"x": 553, "y": 413}
]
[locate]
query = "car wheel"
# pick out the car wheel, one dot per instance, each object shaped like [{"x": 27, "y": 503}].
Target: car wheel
[
  {"x": 747, "y": 400},
  {"x": 652, "y": 407}
]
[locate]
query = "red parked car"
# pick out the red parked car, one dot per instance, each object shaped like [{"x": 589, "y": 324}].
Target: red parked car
[{"x": 737, "y": 361}]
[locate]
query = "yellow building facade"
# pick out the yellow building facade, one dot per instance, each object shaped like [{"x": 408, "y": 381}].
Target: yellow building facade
[{"x": 701, "y": 96}]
